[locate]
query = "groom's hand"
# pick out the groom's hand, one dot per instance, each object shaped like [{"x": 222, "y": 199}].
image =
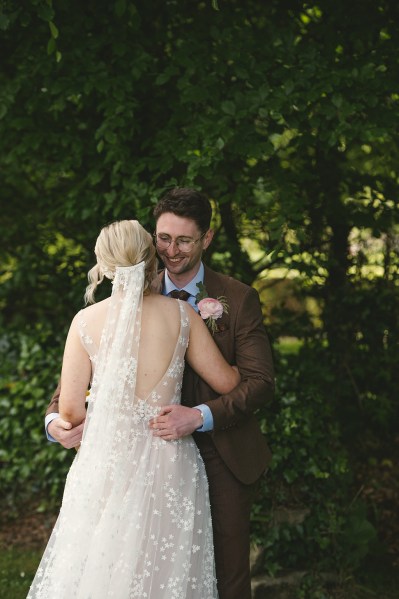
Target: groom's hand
[
  {"x": 63, "y": 432},
  {"x": 175, "y": 421}
]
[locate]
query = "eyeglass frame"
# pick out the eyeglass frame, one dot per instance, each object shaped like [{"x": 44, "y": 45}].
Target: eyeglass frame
[{"x": 176, "y": 242}]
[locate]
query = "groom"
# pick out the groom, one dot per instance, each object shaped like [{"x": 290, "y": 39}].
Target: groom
[{"x": 232, "y": 446}]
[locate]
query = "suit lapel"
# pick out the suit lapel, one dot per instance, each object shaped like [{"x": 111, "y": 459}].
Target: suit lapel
[{"x": 213, "y": 283}]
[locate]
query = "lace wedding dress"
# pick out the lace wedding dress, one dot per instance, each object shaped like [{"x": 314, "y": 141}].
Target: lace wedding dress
[{"x": 135, "y": 518}]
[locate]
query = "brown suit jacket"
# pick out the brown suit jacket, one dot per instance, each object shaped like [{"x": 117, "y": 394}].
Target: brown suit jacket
[{"x": 242, "y": 339}]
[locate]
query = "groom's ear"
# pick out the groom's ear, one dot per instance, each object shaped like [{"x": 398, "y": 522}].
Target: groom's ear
[{"x": 207, "y": 238}]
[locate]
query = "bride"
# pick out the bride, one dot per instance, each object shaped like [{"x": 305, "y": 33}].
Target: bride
[{"x": 135, "y": 517}]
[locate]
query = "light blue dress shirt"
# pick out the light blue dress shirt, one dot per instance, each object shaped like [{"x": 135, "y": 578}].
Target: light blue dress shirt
[{"x": 192, "y": 289}]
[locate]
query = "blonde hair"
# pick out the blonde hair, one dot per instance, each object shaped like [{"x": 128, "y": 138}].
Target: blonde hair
[{"x": 122, "y": 243}]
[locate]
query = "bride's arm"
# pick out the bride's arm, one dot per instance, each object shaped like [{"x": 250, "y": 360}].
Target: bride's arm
[
  {"x": 75, "y": 378},
  {"x": 205, "y": 358}
]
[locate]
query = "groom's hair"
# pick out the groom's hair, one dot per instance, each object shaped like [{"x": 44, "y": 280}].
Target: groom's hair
[{"x": 187, "y": 203}]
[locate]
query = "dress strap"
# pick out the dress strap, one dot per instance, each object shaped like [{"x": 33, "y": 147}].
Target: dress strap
[{"x": 184, "y": 318}]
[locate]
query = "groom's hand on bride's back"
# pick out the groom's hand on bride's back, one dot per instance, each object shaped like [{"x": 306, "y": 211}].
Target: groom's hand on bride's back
[
  {"x": 175, "y": 421},
  {"x": 65, "y": 433}
]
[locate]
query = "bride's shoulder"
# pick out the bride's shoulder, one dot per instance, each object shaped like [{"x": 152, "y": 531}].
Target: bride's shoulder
[
  {"x": 93, "y": 311},
  {"x": 161, "y": 303},
  {"x": 158, "y": 298}
]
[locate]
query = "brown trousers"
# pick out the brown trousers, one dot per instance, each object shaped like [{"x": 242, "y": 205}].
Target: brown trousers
[{"x": 231, "y": 503}]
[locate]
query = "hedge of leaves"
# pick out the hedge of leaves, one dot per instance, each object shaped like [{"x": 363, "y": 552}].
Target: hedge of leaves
[
  {"x": 30, "y": 467},
  {"x": 310, "y": 470},
  {"x": 308, "y": 516}
]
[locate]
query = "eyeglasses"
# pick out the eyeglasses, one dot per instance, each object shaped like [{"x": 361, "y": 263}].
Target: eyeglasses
[{"x": 185, "y": 244}]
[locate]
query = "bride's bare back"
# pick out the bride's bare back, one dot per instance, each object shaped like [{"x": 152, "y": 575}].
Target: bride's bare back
[{"x": 160, "y": 326}]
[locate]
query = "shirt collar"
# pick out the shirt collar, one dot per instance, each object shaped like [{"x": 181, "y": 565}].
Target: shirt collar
[{"x": 190, "y": 287}]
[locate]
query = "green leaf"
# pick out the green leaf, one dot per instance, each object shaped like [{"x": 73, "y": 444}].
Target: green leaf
[
  {"x": 120, "y": 8},
  {"x": 51, "y": 46},
  {"x": 228, "y": 107},
  {"x": 4, "y": 22},
  {"x": 202, "y": 292},
  {"x": 53, "y": 29},
  {"x": 165, "y": 76},
  {"x": 337, "y": 100}
]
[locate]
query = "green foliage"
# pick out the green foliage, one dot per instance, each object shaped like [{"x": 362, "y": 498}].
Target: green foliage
[
  {"x": 308, "y": 518},
  {"x": 147, "y": 97},
  {"x": 30, "y": 467},
  {"x": 366, "y": 367},
  {"x": 17, "y": 568},
  {"x": 286, "y": 115}
]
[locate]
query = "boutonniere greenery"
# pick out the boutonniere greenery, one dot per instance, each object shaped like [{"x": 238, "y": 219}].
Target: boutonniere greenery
[{"x": 209, "y": 308}]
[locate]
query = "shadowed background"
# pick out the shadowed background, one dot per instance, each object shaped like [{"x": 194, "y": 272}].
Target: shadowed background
[{"x": 285, "y": 113}]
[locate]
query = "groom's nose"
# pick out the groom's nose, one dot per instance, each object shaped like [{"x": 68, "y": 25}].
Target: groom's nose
[{"x": 172, "y": 249}]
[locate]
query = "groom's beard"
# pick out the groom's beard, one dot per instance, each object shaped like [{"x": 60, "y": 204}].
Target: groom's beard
[{"x": 182, "y": 264}]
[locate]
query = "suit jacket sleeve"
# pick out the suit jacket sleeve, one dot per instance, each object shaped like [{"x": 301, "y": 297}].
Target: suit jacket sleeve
[
  {"x": 252, "y": 354},
  {"x": 53, "y": 405}
]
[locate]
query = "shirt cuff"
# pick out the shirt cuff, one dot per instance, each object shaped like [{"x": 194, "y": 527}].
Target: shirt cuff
[
  {"x": 207, "y": 418},
  {"x": 49, "y": 418}
]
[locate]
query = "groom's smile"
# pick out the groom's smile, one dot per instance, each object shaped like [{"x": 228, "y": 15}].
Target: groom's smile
[{"x": 182, "y": 266}]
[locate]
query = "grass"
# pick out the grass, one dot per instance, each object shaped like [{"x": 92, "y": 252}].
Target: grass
[
  {"x": 17, "y": 568},
  {"x": 380, "y": 581}
]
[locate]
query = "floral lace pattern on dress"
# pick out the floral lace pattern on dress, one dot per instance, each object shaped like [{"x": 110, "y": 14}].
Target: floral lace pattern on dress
[{"x": 135, "y": 519}]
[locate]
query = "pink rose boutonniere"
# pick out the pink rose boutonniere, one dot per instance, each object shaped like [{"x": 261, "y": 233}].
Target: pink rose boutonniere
[{"x": 209, "y": 308}]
